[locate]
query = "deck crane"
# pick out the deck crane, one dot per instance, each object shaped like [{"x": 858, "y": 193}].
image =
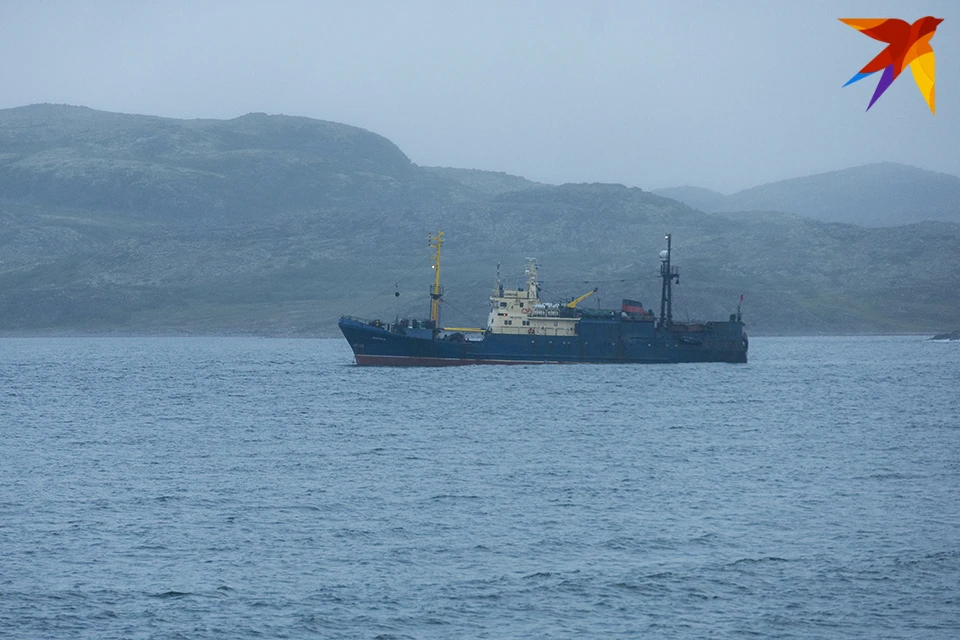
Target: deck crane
[{"x": 573, "y": 303}]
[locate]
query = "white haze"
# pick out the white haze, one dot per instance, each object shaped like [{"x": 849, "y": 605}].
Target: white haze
[{"x": 723, "y": 95}]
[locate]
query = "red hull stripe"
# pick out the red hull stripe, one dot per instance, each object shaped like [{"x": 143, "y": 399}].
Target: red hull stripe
[{"x": 411, "y": 361}]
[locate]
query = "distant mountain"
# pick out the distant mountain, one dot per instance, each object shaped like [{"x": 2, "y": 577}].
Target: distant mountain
[
  {"x": 696, "y": 197},
  {"x": 278, "y": 225},
  {"x": 873, "y": 195}
]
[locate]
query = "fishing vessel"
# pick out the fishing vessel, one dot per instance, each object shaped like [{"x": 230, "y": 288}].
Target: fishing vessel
[{"x": 523, "y": 329}]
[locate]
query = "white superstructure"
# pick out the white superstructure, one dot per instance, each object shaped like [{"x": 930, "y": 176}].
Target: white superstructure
[{"x": 520, "y": 311}]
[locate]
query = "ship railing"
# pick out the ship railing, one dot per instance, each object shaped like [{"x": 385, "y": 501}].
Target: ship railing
[
  {"x": 393, "y": 327},
  {"x": 372, "y": 323},
  {"x": 542, "y": 331}
]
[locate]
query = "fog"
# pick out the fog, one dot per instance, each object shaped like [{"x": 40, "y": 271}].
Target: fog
[{"x": 720, "y": 95}]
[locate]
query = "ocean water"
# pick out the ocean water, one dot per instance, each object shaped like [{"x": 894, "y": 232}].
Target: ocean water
[{"x": 249, "y": 488}]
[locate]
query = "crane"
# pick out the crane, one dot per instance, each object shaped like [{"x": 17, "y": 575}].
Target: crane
[{"x": 573, "y": 303}]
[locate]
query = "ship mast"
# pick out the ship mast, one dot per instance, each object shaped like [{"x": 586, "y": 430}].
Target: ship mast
[
  {"x": 436, "y": 291},
  {"x": 668, "y": 274}
]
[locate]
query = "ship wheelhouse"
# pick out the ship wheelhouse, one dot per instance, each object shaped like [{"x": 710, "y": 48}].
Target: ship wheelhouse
[{"x": 520, "y": 311}]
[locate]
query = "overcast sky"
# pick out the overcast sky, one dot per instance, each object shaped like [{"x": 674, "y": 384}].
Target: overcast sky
[{"x": 724, "y": 95}]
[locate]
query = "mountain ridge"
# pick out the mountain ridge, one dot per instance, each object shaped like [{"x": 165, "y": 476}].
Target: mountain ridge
[
  {"x": 876, "y": 194},
  {"x": 276, "y": 225}
]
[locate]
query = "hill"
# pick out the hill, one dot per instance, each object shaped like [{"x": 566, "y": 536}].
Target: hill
[
  {"x": 199, "y": 169},
  {"x": 696, "y": 197},
  {"x": 873, "y": 195},
  {"x": 277, "y": 225},
  {"x": 484, "y": 182}
]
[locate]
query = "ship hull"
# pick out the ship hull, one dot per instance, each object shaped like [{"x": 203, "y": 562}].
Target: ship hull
[{"x": 601, "y": 341}]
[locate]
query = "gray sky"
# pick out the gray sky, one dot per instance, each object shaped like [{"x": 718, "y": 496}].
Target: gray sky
[{"x": 724, "y": 95}]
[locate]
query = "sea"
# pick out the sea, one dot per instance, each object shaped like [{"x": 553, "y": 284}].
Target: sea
[{"x": 249, "y": 488}]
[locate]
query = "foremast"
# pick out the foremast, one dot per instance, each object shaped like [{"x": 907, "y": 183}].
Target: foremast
[{"x": 435, "y": 292}]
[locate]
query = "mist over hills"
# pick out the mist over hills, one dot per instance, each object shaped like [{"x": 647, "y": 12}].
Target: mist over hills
[
  {"x": 874, "y": 195},
  {"x": 278, "y": 225}
]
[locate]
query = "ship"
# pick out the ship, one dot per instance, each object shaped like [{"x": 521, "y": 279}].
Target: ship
[{"x": 523, "y": 329}]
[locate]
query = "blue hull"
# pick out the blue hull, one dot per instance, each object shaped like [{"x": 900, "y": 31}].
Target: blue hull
[{"x": 598, "y": 340}]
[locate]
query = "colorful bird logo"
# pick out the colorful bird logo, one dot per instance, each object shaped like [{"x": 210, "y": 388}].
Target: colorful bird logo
[{"x": 906, "y": 44}]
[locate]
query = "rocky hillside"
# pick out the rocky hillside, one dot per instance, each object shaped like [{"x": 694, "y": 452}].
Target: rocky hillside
[{"x": 277, "y": 225}]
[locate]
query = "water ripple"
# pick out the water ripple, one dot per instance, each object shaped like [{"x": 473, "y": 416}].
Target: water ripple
[{"x": 231, "y": 488}]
